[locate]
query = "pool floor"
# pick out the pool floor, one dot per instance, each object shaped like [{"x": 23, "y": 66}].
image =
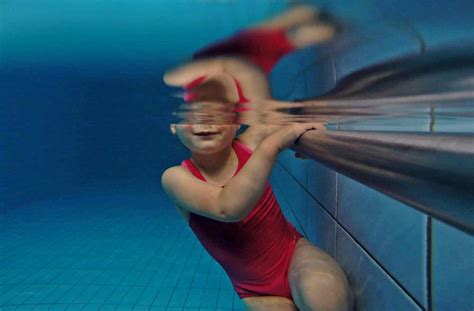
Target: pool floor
[{"x": 107, "y": 247}]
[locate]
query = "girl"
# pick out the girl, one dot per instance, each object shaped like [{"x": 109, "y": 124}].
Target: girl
[
  {"x": 223, "y": 194},
  {"x": 222, "y": 191}
]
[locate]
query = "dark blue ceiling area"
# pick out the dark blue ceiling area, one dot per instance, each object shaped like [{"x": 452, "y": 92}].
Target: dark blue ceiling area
[{"x": 82, "y": 91}]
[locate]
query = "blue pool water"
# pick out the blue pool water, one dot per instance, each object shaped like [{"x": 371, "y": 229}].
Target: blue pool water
[
  {"x": 84, "y": 138},
  {"x": 108, "y": 247}
]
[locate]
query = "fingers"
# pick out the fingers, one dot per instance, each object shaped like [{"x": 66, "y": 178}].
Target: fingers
[
  {"x": 311, "y": 34},
  {"x": 186, "y": 73},
  {"x": 191, "y": 71},
  {"x": 220, "y": 88},
  {"x": 294, "y": 17},
  {"x": 300, "y": 156},
  {"x": 289, "y": 135},
  {"x": 301, "y": 130},
  {"x": 252, "y": 80}
]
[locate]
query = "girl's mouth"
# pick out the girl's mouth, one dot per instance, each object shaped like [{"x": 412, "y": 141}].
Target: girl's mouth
[{"x": 205, "y": 133}]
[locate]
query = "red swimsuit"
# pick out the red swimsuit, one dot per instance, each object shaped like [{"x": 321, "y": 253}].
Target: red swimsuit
[
  {"x": 263, "y": 47},
  {"x": 255, "y": 252}
]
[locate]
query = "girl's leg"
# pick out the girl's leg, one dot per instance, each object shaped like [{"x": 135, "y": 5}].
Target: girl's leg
[
  {"x": 269, "y": 304},
  {"x": 293, "y": 17},
  {"x": 311, "y": 34},
  {"x": 317, "y": 282}
]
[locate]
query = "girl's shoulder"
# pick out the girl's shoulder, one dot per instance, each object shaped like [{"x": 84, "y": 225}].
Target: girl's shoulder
[{"x": 172, "y": 173}]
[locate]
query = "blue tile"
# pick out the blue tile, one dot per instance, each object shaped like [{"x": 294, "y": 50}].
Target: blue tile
[
  {"x": 370, "y": 47},
  {"x": 130, "y": 279},
  {"x": 117, "y": 295},
  {"x": 209, "y": 298},
  {"x": 226, "y": 284},
  {"x": 148, "y": 296},
  {"x": 171, "y": 280},
  {"x": 199, "y": 280},
  {"x": 373, "y": 288},
  {"x": 393, "y": 233},
  {"x": 452, "y": 268},
  {"x": 286, "y": 208},
  {"x": 26, "y": 294},
  {"x": 163, "y": 297},
  {"x": 213, "y": 281},
  {"x": 321, "y": 185},
  {"x": 133, "y": 295},
  {"x": 185, "y": 280},
  {"x": 224, "y": 300},
  {"x": 43, "y": 295},
  {"x": 288, "y": 74},
  {"x": 321, "y": 227},
  {"x": 238, "y": 303},
  {"x": 104, "y": 292},
  {"x": 453, "y": 125},
  {"x": 447, "y": 30},
  {"x": 194, "y": 298},
  {"x": 88, "y": 294},
  {"x": 296, "y": 166},
  {"x": 154, "y": 280},
  {"x": 91, "y": 307},
  {"x": 285, "y": 77},
  {"x": 15, "y": 289},
  {"x": 320, "y": 75},
  {"x": 291, "y": 197},
  {"x": 420, "y": 123},
  {"x": 178, "y": 298},
  {"x": 76, "y": 307},
  {"x": 299, "y": 91},
  {"x": 60, "y": 307}
]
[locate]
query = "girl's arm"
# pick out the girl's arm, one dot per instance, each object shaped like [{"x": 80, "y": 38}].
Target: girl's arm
[
  {"x": 235, "y": 200},
  {"x": 257, "y": 133}
]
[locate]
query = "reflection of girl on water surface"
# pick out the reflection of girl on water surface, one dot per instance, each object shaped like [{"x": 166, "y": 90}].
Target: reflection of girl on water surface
[{"x": 223, "y": 193}]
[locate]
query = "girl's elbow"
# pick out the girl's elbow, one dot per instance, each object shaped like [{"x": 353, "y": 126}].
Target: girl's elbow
[
  {"x": 231, "y": 215},
  {"x": 229, "y": 210}
]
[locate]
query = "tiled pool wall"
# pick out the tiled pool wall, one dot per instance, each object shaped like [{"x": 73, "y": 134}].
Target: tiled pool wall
[{"x": 395, "y": 257}]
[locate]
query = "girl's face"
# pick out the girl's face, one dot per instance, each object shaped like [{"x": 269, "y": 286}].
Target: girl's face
[
  {"x": 205, "y": 138},
  {"x": 207, "y": 127}
]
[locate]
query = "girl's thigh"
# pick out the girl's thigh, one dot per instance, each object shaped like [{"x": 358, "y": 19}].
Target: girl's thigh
[
  {"x": 268, "y": 303},
  {"x": 316, "y": 280}
]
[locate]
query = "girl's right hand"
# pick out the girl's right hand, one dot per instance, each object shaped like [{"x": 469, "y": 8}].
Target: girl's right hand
[{"x": 288, "y": 135}]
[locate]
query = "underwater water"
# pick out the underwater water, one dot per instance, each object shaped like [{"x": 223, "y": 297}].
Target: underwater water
[
  {"x": 401, "y": 127},
  {"x": 108, "y": 247},
  {"x": 85, "y": 121}
]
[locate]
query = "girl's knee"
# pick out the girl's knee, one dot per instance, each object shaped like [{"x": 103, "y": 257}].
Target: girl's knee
[
  {"x": 323, "y": 291},
  {"x": 317, "y": 281}
]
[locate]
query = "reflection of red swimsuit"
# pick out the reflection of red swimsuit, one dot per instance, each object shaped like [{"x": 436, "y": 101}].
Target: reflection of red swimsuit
[
  {"x": 263, "y": 47},
  {"x": 256, "y": 251}
]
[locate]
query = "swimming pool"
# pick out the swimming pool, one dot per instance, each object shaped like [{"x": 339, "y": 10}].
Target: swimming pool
[{"x": 85, "y": 224}]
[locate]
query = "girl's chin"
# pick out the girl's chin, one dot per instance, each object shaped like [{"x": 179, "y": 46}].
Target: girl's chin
[
  {"x": 206, "y": 151},
  {"x": 209, "y": 148}
]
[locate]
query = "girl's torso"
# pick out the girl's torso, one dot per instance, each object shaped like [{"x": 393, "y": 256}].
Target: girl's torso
[{"x": 255, "y": 251}]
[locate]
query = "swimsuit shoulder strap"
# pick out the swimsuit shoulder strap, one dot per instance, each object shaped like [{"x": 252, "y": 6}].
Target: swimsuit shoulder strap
[
  {"x": 243, "y": 154},
  {"x": 188, "y": 164}
]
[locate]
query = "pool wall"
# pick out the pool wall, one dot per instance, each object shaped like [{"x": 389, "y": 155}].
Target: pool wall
[{"x": 396, "y": 258}]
